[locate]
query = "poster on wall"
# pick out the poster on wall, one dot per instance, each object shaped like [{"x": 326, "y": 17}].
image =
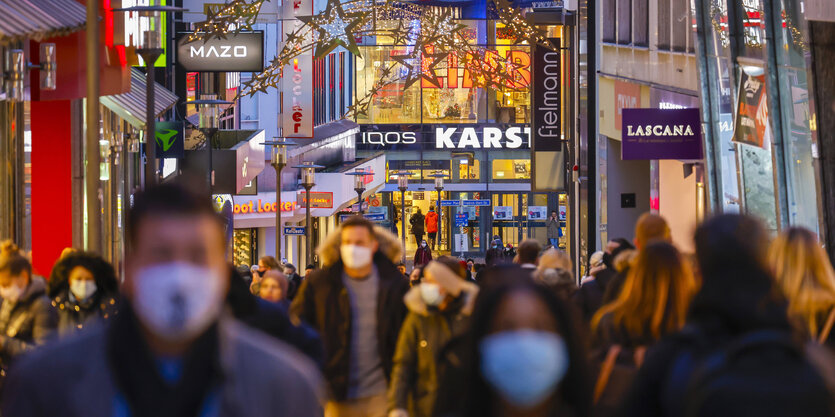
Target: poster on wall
[
  {"x": 502, "y": 213},
  {"x": 537, "y": 212},
  {"x": 751, "y": 126},
  {"x": 661, "y": 134}
]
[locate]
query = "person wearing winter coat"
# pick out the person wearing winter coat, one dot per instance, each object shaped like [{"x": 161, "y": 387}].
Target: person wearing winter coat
[
  {"x": 418, "y": 230},
  {"x": 554, "y": 272},
  {"x": 439, "y": 309},
  {"x": 423, "y": 254},
  {"x": 737, "y": 329},
  {"x": 355, "y": 302},
  {"x": 554, "y": 231},
  {"x": 83, "y": 289},
  {"x": 432, "y": 227},
  {"x": 495, "y": 255},
  {"x": 26, "y": 318}
]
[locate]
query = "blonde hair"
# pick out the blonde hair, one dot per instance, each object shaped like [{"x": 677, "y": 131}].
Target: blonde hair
[
  {"x": 655, "y": 295},
  {"x": 651, "y": 227},
  {"x": 805, "y": 275}
]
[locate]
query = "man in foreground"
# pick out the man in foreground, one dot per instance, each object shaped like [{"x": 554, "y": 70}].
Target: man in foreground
[{"x": 171, "y": 351}]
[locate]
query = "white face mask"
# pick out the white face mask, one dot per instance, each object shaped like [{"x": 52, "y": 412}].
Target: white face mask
[
  {"x": 11, "y": 293},
  {"x": 177, "y": 301},
  {"x": 355, "y": 256},
  {"x": 83, "y": 289},
  {"x": 431, "y": 293}
]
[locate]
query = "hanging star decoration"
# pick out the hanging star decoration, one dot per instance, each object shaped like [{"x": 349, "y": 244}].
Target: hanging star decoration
[
  {"x": 336, "y": 27},
  {"x": 234, "y": 16}
]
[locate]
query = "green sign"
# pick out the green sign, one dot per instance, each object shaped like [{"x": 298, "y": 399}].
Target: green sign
[{"x": 170, "y": 140}]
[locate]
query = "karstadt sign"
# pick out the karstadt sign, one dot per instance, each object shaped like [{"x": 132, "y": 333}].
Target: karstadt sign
[
  {"x": 460, "y": 136},
  {"x": 243, "y": 52}
]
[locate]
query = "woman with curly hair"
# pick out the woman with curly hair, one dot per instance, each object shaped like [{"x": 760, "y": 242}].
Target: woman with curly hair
[{"x": 83, "y": 288}]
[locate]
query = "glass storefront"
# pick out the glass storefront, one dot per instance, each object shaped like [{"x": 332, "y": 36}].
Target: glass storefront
[{"x": 768, "y": 170}]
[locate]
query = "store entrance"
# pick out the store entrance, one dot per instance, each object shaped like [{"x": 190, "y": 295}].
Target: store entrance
[{"x": 520, "y": 216}]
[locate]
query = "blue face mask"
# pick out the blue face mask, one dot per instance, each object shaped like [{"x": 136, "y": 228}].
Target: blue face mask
[{"x": 524, "y": 366}]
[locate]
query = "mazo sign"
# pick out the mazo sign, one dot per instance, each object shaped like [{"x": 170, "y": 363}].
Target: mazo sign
[{"x": 243, "y": 52}]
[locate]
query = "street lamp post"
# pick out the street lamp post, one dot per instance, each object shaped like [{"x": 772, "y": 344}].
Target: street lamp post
[
  {"x": 439, "y": 186},
  {"x": 278, "y": 159},
  {"x": 208, "y": 125},
  {"x": 403, "y": 185},
  {"x": 308, "y": 181},
  {"x": 150, "y": 47},
  {"x": 359, "y": 185}
]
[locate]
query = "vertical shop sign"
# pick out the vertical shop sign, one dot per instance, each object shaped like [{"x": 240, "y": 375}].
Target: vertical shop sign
[
  {"x": 297, "y": 81},
  {"x": 170, "y": 140},
  {"x": 627, "y": 96},
  {"x": 547, "y": 158},
  {"x": 547, "y": 105},
  {"x": 752, "y": 111}
]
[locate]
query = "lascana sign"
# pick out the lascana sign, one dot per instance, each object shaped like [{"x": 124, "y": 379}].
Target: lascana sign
[
  {"x": 243, "y": 52},
  {"x": 661, "y": 134}
]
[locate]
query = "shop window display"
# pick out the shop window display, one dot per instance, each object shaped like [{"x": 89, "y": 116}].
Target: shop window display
[{"x": 511, "y": 169}]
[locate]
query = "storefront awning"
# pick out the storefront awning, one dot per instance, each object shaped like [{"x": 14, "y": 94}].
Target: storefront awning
[
  {"x": 131, "y": 105},
  {"x": 39, "y": 19}
]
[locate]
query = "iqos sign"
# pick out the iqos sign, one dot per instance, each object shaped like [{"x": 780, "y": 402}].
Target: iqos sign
[
  {"x": 243, "y": 52},
  {"x": 389, "y": 138}
]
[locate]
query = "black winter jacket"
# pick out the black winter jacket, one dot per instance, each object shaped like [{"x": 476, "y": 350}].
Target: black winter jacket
[
  {"x": 27, "y": 323},
  {"x": 323, "y": 303}
]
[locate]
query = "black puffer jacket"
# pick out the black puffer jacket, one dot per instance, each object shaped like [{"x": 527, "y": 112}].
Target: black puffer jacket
[
  {"x": 27, "y": 323},
  {"x": 74, "y": 315},
  {"x": 323, "y": 302}
]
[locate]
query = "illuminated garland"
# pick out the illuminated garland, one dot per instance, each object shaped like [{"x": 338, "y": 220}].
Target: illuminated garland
[{"x": 441, "y": 38}]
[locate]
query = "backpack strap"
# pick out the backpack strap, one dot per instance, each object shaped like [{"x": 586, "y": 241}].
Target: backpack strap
[
  {"x": 606, "y": 371},
  {"x": 827, "y": 328}
]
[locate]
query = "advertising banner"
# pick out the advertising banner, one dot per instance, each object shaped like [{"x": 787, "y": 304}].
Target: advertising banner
[
  {"x": 537, "y": 212},
  {"x": 297, "y": 93},
  {"x": 242, "y": 52},
  {"x": 503, "y": 213},
  {"x": 752, "y": 111},
  {"x": 661, "y": 134},
  {"x": 547, "y": 98},
  {"x": 249, "y": 160},
  {"x": 170, "y": 140}
]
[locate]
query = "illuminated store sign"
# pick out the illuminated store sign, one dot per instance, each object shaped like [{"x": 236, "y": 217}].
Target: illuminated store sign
[
  {"x": 394, "y": 137},
  {"x": 260, "y": 206},
  {"x": 242, "y": 52},
  {"x": 491, "y": 138}
]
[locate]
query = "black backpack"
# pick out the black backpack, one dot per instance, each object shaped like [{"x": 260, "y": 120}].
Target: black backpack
[{"x": 762, "y": 373}]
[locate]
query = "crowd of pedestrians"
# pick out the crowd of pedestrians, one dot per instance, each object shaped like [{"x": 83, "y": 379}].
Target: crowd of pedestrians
[{"x": 743, "y": 326}]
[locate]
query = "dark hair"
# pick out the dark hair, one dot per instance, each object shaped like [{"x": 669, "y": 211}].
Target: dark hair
[
  {"x": 399, "y": 264},
  {"x": 271, "y": 262},
  {"x": 528, "y": 251},
  {"x": 170, "y": 199},
  {"x": 310, "y": 266},
  {"x": 737, "y": 288},
  {"x": 12, "y": 260},
  {"x": 471, "y": 260},
  {"x": 359, "y": 221},
  {"x": 103, "y": 273},
  {"x": 291, "y": 266},
  {"x": 575, "y": 389}
]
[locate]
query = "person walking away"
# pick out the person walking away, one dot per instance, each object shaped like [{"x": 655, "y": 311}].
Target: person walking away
[
  {"x": 805, "y": 275},
  {"x": 649, "y": 228},
  {"x": 589, "y": 298},
  {"x": 26, "y": 318},
  {"x": 738, "y": 353},
  {"x": 495, "y": 255},
  {"x": 523, "y": 356},
  {"x": 265, "y": 263},
  {"x": 274, "y": 288},
  {"x": 554, "y": 231},
  {"x": 432, "y": 226},
  {"x": 528, "y": 255},
  {"x": 294, "y": 281},
  {"x": 171, "y": 351},
  {"x": 83, "y": 288},
  {"x": 423, "y": 254},
  {"x": 439, "y": 309},
  {"x": 418, "y": 230},
  {"x": 653, "y": 304},
  {"x": 356, "y": 304},
  {"x": 554, "y": 272}
]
